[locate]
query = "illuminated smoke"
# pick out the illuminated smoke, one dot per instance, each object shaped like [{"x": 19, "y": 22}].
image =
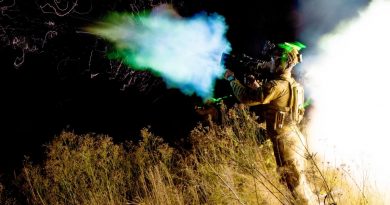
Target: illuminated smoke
[
  {"x": 319, "y": 17},
  {"x": 349, "y": 82},
  {"x": 185, "y": 52}
]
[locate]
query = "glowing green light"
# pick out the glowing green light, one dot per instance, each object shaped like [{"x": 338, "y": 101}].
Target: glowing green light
[
  {"x": 307, "y": 103},
  {"x": 288, "y": 46}
]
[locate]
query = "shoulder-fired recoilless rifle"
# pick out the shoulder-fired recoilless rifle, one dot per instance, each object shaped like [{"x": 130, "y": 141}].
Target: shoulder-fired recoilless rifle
[{"x": 249, "y": 68}]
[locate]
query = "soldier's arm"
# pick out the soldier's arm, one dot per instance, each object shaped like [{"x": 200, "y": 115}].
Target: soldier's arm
[
  {"x": 262, "y": 95},
  {"x": 247, "y": 95}
]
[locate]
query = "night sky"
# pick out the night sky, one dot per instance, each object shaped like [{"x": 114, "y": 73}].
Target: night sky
[{"x": 54, "y": 77}]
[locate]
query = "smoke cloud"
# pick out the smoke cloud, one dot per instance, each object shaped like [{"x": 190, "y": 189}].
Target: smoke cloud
[
  {"x": 320, "y": 17},
  {"x": 348, "y": 78},
  {"x": 185, "y": 52}
]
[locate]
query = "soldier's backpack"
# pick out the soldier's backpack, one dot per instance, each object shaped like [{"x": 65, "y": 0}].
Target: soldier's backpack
[{"x": 297, "y": 100}]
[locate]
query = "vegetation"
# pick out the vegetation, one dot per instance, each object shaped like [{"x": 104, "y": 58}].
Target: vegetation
[
  {"x": 5, "y": 198},
  {"x": 229, "y": 163}
]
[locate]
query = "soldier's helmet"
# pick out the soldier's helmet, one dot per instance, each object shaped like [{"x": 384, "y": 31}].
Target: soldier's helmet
[{"x": 287, "y": 55}]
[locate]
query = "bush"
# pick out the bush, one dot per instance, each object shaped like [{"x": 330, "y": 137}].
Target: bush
[
  {"x": 229, "y": 163},
  {"x": 5, "y": 198}
]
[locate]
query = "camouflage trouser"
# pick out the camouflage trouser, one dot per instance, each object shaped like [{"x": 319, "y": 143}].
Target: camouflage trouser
[{"x": 289, "y": 150}]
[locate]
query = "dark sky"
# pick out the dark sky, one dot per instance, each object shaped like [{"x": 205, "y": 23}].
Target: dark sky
[{"x": 55, "y": 78}]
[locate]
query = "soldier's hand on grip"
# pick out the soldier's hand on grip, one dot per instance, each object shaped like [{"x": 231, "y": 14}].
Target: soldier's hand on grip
[{"x": 229, "y": 75}]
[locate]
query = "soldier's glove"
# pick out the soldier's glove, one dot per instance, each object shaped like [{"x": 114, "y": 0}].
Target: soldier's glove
[{"x": 229, "y": 75}]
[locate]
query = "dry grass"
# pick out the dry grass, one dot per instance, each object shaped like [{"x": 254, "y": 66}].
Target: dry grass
[
  {"x": 337, "y": 185},
  {"x": 5, "y": 198},
  {"x": 227, "y": 164}
]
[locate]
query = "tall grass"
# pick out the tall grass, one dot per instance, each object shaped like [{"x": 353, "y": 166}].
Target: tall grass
[
  {"x": 229, "y": 163},
  {"x": 5, "y": 197}
]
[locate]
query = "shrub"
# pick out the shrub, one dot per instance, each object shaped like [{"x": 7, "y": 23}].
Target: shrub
[
  {"x": 230, "y": 163},
  {"x": 5, "y": 198}
]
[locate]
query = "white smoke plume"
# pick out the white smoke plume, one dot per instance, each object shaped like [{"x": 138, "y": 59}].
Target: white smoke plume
[{"x": 348, "y": 79}]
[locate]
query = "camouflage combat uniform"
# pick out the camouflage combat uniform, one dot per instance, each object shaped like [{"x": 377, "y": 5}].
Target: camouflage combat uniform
[{"x": 288, "y": 143}]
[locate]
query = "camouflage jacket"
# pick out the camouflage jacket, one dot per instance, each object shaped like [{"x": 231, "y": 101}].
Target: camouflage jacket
[{"x": 274, "y": 95}]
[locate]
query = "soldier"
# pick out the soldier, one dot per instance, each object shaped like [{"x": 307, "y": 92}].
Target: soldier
[{"x": 282, "y": 98}]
